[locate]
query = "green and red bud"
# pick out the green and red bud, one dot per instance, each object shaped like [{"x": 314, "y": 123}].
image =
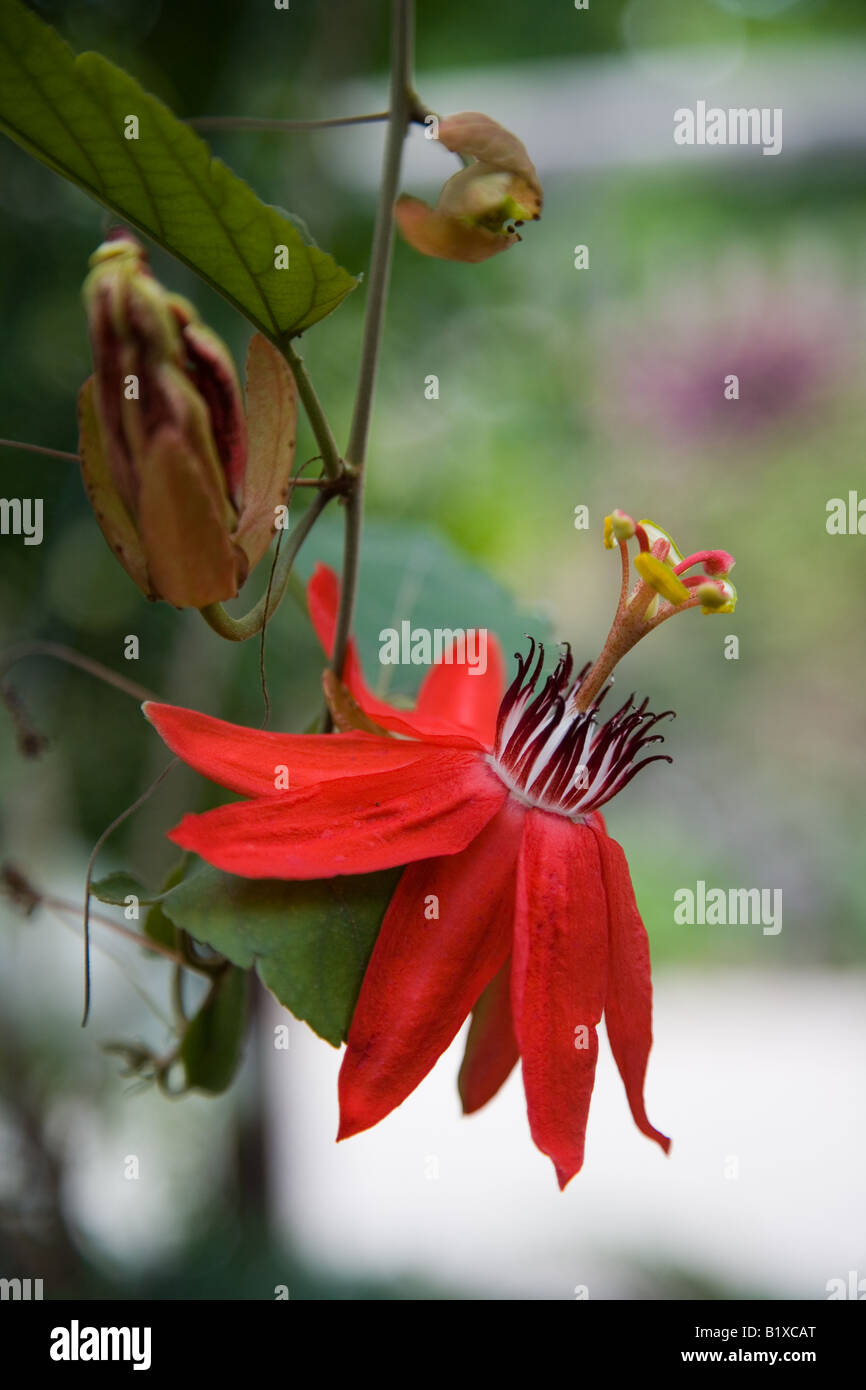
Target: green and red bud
[
  {"x": 184, "y": 487},
  {"x": 481, "y": 206}
]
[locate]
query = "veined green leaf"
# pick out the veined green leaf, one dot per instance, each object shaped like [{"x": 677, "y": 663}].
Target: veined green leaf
[
  {"x": 73, "y": 114},
  {"x": 309, "y": 941}
]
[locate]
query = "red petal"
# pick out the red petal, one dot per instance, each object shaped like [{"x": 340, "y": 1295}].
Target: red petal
[
  {"x": 452, "y": 692},
  {"x": 558, "y": 981},
  {"x": 425, "y": 974},
  {"x": 323, "y": 599},
  {"x": 323, "y": 593},
  {"x": 355, "y": 825},
  {"x": 628, "y": 1007},
  {"x": 491, "y": 1047},
  {"x": 246, "y": 760}
]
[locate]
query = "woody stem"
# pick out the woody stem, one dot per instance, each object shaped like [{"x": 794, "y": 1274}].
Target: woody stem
[
  {"x": 400, "y": 107},
  {"x": 265, "y": 123},
  {"x": 60, "y": 652}
]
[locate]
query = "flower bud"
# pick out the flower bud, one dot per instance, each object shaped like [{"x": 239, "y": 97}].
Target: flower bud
[
  {"x": 183, "y": 496},
  {"x": 481, "y": 206}
]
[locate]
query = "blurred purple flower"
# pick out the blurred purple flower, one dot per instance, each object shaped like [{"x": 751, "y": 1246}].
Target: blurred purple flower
[{"x": 788, "y": 338}]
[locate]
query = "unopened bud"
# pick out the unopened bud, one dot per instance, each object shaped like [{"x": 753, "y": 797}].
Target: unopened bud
[{"x": 183, "y": 496}]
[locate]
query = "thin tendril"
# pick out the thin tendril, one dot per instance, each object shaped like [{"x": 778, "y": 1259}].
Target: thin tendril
[
  {"x": 262, "y": 676},
  {"x": 109, "y": 830}
]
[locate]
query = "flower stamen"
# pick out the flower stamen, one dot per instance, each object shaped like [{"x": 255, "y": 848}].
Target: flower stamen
[{"x": 554, "y": 756}]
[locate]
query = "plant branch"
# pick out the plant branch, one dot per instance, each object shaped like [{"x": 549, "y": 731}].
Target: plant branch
[
  {"x": 145, "y": 942},
  {"x": 39, "y": 449},
  {"x": 13, "y": 655},
  {"x": 331, "y": 461},
  {"x": 265, "y": 123},
  {"x": 401, "y": 105}
]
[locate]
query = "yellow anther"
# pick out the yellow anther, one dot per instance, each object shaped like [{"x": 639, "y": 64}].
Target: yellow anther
[{"x": 660, "y": 577}]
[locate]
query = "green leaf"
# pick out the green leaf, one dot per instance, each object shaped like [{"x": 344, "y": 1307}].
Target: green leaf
[
  {"x": 70, "y": 112},
  {"x": 211, "y": 1047},
  {"x": 117, "y": 887},
  {"x": 310, "y": 942}
]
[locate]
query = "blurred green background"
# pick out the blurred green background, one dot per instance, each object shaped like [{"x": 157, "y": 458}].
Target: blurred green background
[{"x": 558, "y": 387}]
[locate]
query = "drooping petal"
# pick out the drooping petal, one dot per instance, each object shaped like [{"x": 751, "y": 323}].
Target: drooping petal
[
  {"x": 434, "y": 233},
  {"x": 272, "y": 422},
  {"x": 491, "y": 1047},
  {"x": 453, "y": 692},
  {"x": 479, "y": 136},
  {"x": 628, "y": 1007},
  {"x": 323, "y": 593},
  {"x": 558, "y": 981},
  {"x": 115, "y": 522},
  {"x": 483, "y": 196},
  {"x": 353, "y": 825},
  {"x": 426, "y": 972},
  {"x": 248, "y": 760},
  {"x": 323, "y": 599},
  {"x": 191, "y": 558}
]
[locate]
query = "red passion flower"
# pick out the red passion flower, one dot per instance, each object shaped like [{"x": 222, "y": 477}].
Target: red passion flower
[{"x": 515, "y": 904}]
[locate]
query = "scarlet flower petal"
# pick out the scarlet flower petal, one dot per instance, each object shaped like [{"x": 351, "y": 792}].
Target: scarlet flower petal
[
  {"x": 323, "y": 599},
  {"x": 425, "y": 974},
  {"x": 246, "y": 760},
  {"x": 356, "y": 825},
  {"x": 491, "y": 1047},
  {"x": 628, "y": 1007},
  {"x": 323, "y": 594},
  {"x": 558, "y": 981},
  {"x": 452, "y": 692}
]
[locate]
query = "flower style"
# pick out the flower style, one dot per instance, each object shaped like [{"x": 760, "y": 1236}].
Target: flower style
[
  {"x": 492, "y": 801},
  {"x": 183, "y": 486},
  {"x": 481, "y": 206}
]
